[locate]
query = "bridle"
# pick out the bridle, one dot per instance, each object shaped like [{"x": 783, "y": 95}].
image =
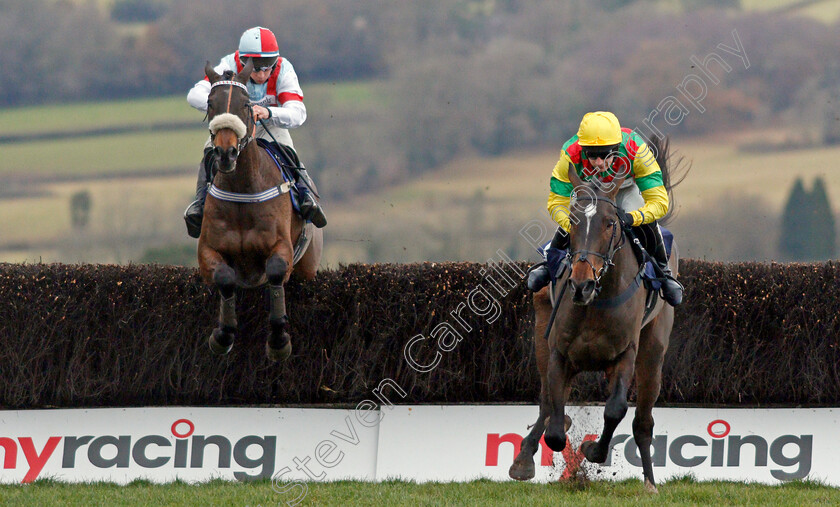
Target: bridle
[
  {"x": 250, "y": 124},
  {"x": 613, "y": 247}
]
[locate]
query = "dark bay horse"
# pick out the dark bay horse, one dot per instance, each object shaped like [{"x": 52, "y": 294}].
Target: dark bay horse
[
  {"x": 599, "y": 327},
  {"x": 249, "y": 230}
]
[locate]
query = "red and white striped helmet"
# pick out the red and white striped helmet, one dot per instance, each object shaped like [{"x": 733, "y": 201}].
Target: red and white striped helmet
[{"x": 258, "y": 42}]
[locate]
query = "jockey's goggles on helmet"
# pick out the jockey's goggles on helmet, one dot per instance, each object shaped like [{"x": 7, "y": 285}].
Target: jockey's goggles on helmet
[
  {"x": 263, "y": 64},
  {"x": 596, "y": 152}
]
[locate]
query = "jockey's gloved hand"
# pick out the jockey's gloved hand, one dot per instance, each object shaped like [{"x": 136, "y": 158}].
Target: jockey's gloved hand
[{"x": 626, "y": 219}]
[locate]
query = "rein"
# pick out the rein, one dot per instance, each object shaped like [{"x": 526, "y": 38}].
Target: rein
[
  {"x": 608, "y": 261},
  {"x": 611, "y": 249}
]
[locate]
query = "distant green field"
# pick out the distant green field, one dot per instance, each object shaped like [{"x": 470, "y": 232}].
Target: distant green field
[
  {"x": 139, "y": 182},
  {"x": 388, "y": 493},
  {"x": 96, "y": 115},
  {"x": 104, "y": 155},
  {"x": 155, "y": 111},
  {"x": 136, "y": 152}
]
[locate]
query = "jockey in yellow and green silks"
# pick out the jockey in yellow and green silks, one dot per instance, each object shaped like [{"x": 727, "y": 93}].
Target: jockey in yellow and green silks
[
  {"x": 602, "y": 149},
  {"x": 601, "y": 130}
]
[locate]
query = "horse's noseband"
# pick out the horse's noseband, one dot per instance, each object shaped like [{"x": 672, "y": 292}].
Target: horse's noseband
[
  {"x": 612, "y": 247},
  {"x": 250, "y": 124}
]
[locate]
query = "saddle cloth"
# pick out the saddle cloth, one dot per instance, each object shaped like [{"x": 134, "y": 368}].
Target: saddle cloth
[{"x": 286, "y": 166}]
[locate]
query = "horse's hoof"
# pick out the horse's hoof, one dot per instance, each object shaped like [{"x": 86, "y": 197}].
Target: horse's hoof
[
  {"x": 651, "y": 487},
  {"x": 220, "y": 342},
  {"x": 590, "y": 450},
  {"x": 555, "y": 442},
  {"x": 278, "y": 355},
  {"x": 522, "y": 470}
]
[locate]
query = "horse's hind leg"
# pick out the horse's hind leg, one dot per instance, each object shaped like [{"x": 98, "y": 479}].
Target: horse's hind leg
[
  {"x": 620, "y": 375},
  {"x": 308, "y": 265},
  {"x": 278, "y": 347},
  {"x": 652, "y": 346},
  {"x": 221, "y": 340}
]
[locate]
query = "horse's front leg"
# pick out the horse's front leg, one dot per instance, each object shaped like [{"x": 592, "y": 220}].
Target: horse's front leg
[
  {"x": 620, "y": 376},
  {"x": 559, "y": 376},
  {"x": 278, "y": 347},
  {"x": 523, "y": 467},
  {"x": 221, "y": 340}
]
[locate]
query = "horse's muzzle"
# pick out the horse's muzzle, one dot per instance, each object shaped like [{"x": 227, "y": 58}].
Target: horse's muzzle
[
  {"x": 583, "y": 293},
  {"x": 224, "y": 159}
]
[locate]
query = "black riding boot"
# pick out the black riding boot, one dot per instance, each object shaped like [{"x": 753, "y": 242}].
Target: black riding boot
[
  {"x": 672, "y": 290},
  {"x": 195, "y": 211},
  {"x": 540, "y": 276},
  {"x": 309, "y": 208}
]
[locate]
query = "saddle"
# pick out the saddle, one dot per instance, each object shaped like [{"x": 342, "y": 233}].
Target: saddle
[{"x": 287, "y": 162}]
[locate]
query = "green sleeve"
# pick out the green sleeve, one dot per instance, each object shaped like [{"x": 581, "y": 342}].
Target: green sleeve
[{"x": 561, "y": 187}]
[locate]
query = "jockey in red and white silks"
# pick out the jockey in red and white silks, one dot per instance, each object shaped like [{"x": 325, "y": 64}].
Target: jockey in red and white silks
[
  {"x": 280, "y": 93},
  {"x": 277, "y": 103}
]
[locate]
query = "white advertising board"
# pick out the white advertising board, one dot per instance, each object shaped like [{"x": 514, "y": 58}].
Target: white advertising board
[
  {"x": 190, "y": 444},
  {"x": 460, "y": 443},
  {"x": 421, "y": 443}
]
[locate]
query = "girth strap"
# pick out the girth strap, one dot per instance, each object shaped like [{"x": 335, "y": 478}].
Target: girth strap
[
  {"x": 624, "y": 296},
  {"x": 266, "y": 195}
]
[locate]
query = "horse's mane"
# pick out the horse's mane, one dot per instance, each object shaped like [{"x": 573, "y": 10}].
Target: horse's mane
[
  {"x": 674, "y": 169},
  {"x": 228, "y": 75}
]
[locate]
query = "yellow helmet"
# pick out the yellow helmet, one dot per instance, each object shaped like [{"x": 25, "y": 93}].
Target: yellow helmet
[{"x": 600, "y": 128}]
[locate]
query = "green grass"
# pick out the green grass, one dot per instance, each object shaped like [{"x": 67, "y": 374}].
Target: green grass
[
  {"x": 85, "y": 116},
  {"x": 95, "y": 115},
  {"x": 679, "y": 492},
  {"x": 104, "y": 155},
  {"x": 134, "y": 152}
]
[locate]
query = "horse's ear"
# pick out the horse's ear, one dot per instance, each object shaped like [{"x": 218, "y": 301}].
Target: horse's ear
[
  {"x": 573, "y": 177},
  {"x": 211, "y": 73},
  {"x": 616, "y": 186},
  {"x": 243, "y": 76},
  {"x": 619, "y": 179}
]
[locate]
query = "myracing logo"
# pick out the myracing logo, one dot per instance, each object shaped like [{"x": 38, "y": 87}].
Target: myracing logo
[
  {"x": 788, "y": 457},
  {"x": 181, "y": 450}
]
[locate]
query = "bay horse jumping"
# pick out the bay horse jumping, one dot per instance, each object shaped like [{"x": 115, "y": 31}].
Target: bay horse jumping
[
  {"x": 249, "y": 230},
  {"x": 599, "y": 327}
]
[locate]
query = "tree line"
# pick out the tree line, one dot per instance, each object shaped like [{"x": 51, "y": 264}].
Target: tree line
[{"x": 482, "y": 76}]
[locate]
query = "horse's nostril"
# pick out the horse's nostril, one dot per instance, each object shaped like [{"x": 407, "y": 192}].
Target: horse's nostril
[{"x": 582, "y": 290}]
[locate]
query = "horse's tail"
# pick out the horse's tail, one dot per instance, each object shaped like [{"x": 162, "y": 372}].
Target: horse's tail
[{"x": 674, "y": 170}]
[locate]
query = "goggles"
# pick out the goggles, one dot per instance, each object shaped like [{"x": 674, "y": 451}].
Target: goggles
[
  {"x": 261, "y": 64},
  {"x": 596, "y": 152}
]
